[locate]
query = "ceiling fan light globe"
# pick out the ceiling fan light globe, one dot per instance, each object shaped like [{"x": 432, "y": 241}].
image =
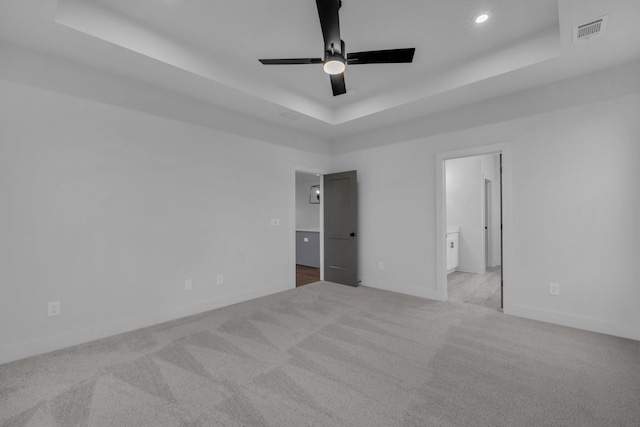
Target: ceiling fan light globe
[
  {"x": 480, "y": 19},
  {"x": 334, "y": 66}
]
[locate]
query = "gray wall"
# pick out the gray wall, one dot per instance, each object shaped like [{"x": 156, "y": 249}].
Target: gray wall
[{"x": 308, "y": 248}]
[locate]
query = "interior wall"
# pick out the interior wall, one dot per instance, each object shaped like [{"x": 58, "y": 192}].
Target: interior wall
[
  {"x": 307, "y": 214},
  {"x": 575, "y": 210},
  {"x": 464, "y": 209},
  {"x": 490, "y": 169},
  {"x": 147, "y": 95},
  {"x": 109, "y": 211},
  {"x": 465, "y": 199}
]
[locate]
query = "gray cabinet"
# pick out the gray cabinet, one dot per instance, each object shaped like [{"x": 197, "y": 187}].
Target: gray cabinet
[{"x": 308, "y": 248}]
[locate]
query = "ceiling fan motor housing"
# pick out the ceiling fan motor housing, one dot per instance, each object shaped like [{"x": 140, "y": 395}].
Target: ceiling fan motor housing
[{"x": 335, "y": 56}]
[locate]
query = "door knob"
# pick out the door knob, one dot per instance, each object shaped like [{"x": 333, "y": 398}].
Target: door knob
[{"x": 354, "y": 234}]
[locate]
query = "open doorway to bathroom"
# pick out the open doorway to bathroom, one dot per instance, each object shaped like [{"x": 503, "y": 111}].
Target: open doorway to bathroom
[
  {"x": 307, "y": 231},
  {"x": 474, "y": 230}
]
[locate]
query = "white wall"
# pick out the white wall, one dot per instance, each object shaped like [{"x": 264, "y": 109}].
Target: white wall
[
  {"x": 464, "y": 209},
  {"x": 307, "y": 214},
  {"x": 109, "y": 210},
  {"x": 490, "y": 169},
  {"x": 465, "y": 199},
  {"x": 575, "y": 202},
  {"x": 148, "y": 95}
]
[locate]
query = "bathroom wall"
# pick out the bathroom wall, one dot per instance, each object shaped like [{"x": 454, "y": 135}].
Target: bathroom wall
[
  {"x": 465, "y": 199},
  {"x": 490, "y": 169},
  {"x": 464, "y": 209},
  {"x": 307, "y": 214}
]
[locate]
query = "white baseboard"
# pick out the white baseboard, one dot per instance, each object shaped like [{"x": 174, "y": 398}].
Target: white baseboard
[
  {"x": 624, "y": 330},
  {"x": 41, "y": 345},
  {"x": 422, "y": 291},
  {"x": 472, "y": 269}
]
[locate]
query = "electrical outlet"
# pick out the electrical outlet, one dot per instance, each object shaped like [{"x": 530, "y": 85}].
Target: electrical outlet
[
  {"x": 554, "y": 289},
  {"x": 220, "y": 279},
  {"x": 188, "y": 285},
  {"x": 54, "y": 308},
  {"x": 275, "y": 222},
  {"x": 380, "y": 265}
]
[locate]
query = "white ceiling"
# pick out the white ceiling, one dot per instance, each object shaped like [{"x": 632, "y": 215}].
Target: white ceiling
[{"x": 208, "y": 50}]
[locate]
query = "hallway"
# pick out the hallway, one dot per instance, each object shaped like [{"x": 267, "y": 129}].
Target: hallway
[
  {"x": 477, "y": 289},
  {"x": 306, "y": 275}
]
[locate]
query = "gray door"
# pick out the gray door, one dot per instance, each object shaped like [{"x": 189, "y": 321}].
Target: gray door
[{"x": 341, "y": 228}]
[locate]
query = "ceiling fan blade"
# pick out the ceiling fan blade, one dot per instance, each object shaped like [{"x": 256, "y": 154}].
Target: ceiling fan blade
[
  {"x": 338, "y": 85},
  {"x": 391, "y": 56},
  {"x": 330, "y": 24},
  {"x": 291, "y": 61}
]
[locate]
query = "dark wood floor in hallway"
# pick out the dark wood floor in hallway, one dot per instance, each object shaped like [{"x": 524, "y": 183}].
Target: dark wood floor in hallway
[
  {"x": 306, "y": 275},
  {"x": 478, "y": 289}
]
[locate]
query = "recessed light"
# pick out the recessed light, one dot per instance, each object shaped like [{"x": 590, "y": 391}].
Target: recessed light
[{"x": 481, "y": 18}]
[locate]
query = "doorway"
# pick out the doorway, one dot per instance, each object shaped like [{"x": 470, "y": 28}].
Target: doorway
[
  {"x": 308, "y": 209},
  {"x": 324, "y": 209},
  {"x": 470, "y": 218}
]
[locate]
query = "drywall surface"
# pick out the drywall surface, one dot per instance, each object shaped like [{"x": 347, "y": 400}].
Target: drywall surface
[
  {"x": 307, "y": 214},
  {"x": 109, "y": 211},
  {"x": 589, "y": 88},
  {"x": 490, "y": 169},
  {"x": 148, "y": 95},
  {"x": 465, "y": 204},
  {"x": 575, "y": 209},
  {"x": 464, "y": 209}
]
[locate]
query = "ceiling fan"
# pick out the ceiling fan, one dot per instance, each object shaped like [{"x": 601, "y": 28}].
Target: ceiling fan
[{"x": 335, "y": 58}]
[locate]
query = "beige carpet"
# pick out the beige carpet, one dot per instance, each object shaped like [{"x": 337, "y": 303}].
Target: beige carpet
[{"x": 331, "y": 355}]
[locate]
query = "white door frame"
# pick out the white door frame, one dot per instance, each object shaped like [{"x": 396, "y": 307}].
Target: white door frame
[
  {"x": 292, "y": 216},
  {"x": 441, "y": 215}
]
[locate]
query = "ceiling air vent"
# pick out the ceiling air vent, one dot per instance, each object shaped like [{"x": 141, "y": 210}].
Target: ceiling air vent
[{"x": 590, "y": 29}]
